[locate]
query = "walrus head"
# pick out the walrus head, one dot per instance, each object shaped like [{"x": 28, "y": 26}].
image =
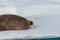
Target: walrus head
[{"x": 31, "y": 24}]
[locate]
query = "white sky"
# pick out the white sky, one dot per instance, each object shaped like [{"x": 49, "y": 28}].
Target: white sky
[{"x": 32, "y": 7}]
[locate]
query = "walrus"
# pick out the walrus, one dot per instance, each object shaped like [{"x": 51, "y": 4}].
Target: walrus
[{"x": 14, "y": 22}]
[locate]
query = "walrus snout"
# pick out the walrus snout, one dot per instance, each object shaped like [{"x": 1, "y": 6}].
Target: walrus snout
[{"x": 31, "y": 24}]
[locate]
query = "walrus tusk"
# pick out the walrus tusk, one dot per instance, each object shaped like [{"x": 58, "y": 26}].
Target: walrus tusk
[{"x": 33, "y": 26}]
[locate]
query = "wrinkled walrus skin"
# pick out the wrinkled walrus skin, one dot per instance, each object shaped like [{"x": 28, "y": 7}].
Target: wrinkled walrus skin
[{"x": 14, "y": 22}]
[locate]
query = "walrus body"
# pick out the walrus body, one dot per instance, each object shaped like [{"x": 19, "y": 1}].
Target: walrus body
[{"x": 14, "y": 22}]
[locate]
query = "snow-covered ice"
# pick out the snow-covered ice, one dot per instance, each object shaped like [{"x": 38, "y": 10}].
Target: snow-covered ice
[{"x": 44, "y": 26}]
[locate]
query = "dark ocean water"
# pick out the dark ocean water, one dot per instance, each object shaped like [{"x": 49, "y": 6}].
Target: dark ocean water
[{"x": 48, "y": 39}]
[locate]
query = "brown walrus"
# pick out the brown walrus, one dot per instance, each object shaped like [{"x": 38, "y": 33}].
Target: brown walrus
[{"x": 14, "y": 22}]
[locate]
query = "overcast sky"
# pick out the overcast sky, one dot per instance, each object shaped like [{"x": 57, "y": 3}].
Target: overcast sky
[{"x": 33, "y": 7}]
